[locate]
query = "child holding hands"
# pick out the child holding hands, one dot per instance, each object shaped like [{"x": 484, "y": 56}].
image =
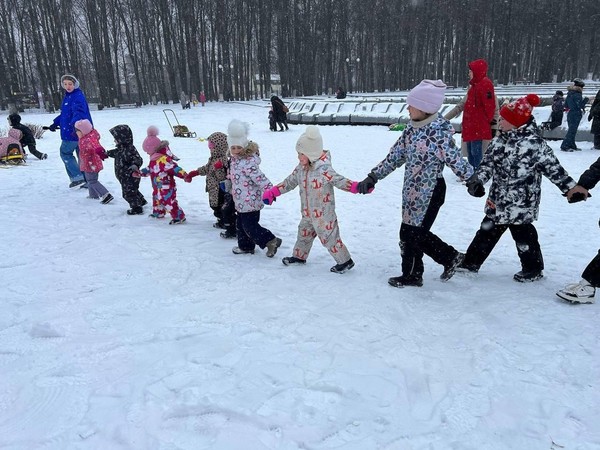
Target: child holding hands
[
  {"x": 316, "y": 179},
  {"x": 247, "y": 186},
  {"x": 162, "y": 170},
  {"x": 91, "y": 155}
]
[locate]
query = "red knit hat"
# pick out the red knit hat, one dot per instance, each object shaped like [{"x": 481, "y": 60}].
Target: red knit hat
[{"x": 519, "y": 112}]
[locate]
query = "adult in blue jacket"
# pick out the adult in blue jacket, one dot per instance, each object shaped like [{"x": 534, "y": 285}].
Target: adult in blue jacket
[
  {"x": 74, "y": 107},
  {"x": 575, "y": 103}
]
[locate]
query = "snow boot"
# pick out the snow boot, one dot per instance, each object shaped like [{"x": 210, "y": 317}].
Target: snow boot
[
  {"x": 342, "y": 268},
  {"x": 526, "y": 277},
  {"x": 77, "y": 183},
  {"x": 177, "y": 221},
  {"x": 403, "y": 280},
  {"x": 272, "y": 246},
  {"x": 289, "y": 260},
  {"x": 135, "y": 211},
  {"x": 451, "y": 269},
  {"x": 106, "y": 198},
  {"x": 228, "y": 234},
  {"x": 239, "y": 251}
]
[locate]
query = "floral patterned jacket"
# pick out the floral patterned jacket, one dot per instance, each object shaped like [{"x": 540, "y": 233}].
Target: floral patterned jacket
[{"x": 247, "y": 180}]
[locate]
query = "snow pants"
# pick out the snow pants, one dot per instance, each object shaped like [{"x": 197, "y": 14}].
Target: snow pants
[
  {"x": 130, "y": 190},
  {"x": 250, "y": 233},
  {"x": 418, "y": 240},
  {"x": 164, "y": 200},
  {"x": 95, "y": 188},
  {"x": 592, "y": 272},
  {"x": 328, "y": 235},
  {"x": 488, "y": 235},
  {"x": 573, "y": 119}
]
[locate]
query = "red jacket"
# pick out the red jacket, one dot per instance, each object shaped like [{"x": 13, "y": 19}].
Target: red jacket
[{"x": 480, "y": 105}]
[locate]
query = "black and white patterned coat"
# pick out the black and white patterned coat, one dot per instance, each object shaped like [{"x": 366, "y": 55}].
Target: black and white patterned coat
[{"x": 515, "y": 162}]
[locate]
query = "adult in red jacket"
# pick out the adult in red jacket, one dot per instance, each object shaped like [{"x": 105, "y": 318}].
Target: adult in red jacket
[{"x": 478, "y": 114}]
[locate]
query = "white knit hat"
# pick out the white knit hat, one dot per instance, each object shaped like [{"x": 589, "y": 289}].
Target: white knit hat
[
  {"x": 237, "y": 133},
  {"x": 310, "y": 143},
  {"x": 427, "y": 96}
]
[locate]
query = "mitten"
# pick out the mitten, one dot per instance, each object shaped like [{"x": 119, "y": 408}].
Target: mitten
[
  {"x": 368, "y": 184},
  {"x": 218, "y": 165},
  {"x": 101, "y": 153},
  {"x": 475, "y": 188},
  {"x": 190, "y": 175},
  {"x": 112, "y": 152},
  {"x": 270, "y": 195},
  {"x": 52, "y": 127},
  {"x": 136, "y": 174},
  {"x": 578, "y": 197},
  {"x": 354, "y": 188}
]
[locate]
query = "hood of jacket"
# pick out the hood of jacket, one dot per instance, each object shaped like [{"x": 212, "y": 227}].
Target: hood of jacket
[
  {"x": 221, "y": 147},
  {"x": 122, "y": 134},
  {"x": 479, "y": 67}
]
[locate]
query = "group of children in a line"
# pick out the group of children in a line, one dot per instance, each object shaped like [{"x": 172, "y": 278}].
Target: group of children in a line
[{"x": 238, "y": 190}]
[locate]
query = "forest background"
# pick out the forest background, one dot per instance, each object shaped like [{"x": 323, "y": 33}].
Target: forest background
[{"x": 148, "y": 51}]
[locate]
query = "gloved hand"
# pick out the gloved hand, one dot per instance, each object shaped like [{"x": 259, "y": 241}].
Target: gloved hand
[
  {"x": 101, "y": 153},
  {"x": 270, "y": 195},
  {"x": 578, "y": 197},
  {"x": 52, "y": 127},
  {"x": 577, "y": 194},
  {"x": 475, "y": 187},
  {"x": 354, "y": 188},
  {"x": 368, "y": 184},
  {"x": 112, "y": 152},
  {"x": 218, "y": 165},
  {"x": 136, "y": 174},
  {"x": 190, "y": 175}
]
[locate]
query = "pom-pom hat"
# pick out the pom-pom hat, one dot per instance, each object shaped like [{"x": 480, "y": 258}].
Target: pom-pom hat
[
  {"x": 237, "y": 133},
  {"x": 152, "y": 142},
  {"x": 84, "y": 125},
  {"x": 310, "y": 143},
  {"x": 427, "y": 96},
  {"x": 519, "y": 112}
]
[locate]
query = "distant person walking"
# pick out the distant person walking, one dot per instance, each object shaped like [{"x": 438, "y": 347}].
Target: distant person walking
[
  {"x": 479, "y": 111},
  {"x": 74, "y": 107},
  {"x": 280, "y": 112},
  {"x": 574, "y": 104}
]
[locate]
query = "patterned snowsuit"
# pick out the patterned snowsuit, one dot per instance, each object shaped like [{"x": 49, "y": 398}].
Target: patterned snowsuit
[
  {"x": 163, "y": 170},
  {"x": 317, "y": 205},
  {"x": 126, "y": 155},
  {"x": 424, "y": 148},
  {"x": 516, "y": 161}
]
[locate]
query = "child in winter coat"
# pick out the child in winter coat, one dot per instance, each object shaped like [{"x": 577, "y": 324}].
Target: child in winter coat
[
  {"x": 91, "y": 155},
  {"x": 247, "y": 186},
  {"x": 127, "y": 161},
  {"x": 27, "y": 138},
  {"x": 558, "y": 107},
  {"x": 162, "y": 170},
  {"x": 516, "y": 161},
  {"x": 595, "y": 118},
  {"x": 316, "y": 179},
  {"x": 425, "y": 147},
  {"x": 10, "y": 148},
  {"x": 215, "y": 171},
  {"x": 272, "y": 122}
]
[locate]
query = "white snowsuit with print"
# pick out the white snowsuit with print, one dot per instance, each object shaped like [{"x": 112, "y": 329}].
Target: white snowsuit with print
[{"x": 317, "y": 202}]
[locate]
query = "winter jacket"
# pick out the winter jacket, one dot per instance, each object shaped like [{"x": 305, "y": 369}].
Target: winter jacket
[
  {"x": 317, "y": 200},
  {"x": 595, "y": 115},
  {"x": 480, "y": 105},
  {"x": 89, "y": 146},
  {"x": 74, "y": 107},
  {"x": 575, "y": 102},
  {"x": 247, "y": 180},
  {"x": 27, "y": 137},
  {"x": 558, "y": 103},
  {"x": 215, "y": 176},
  {"x": 12, "y": 140},
  {"x": 125, "y": 155},
  {"x": 163, "y": 169},
  {"x": 425, "y": 147},
  {"x": 591, "y": 176},
  {"x": 516, "y": 161}
]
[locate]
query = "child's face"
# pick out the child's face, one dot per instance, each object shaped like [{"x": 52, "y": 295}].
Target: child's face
[
  {"x": 236, "y": 150},
  {"x": 304, "y": 161},
  {"x": 79, "y": 134},
  {"x": 470, "y": 74},
  {"x": 416, "y": 114},
  {"x": 68, "y": 85},
  {"x": 211, "y": 145},
  {"x": 505, "y": 125}
]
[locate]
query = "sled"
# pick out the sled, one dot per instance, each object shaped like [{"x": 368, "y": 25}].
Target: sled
[{"x": 178, "y": 129}]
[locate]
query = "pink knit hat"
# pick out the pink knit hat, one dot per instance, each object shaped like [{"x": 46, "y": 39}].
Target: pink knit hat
[
  {"x": 152, "y": 141},
  {"x": 84, "y": 125},
  {"x": 427, "y": 96}
]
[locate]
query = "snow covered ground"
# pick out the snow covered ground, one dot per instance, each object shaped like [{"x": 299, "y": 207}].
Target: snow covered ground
[{"x": 123, "y": 332}]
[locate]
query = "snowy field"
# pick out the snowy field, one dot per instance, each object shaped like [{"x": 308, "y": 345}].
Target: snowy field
[{"x": 122, "y": 332}]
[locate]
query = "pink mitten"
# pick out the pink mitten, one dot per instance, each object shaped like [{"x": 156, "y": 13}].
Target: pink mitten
[
  {"x": 101, "y": 153},
  {"x": 270, "y": 195}
]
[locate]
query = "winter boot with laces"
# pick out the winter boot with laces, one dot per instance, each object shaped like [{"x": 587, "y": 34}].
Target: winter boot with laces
[
  {"x": 290, "y": 260},
  {"x": 272, "y": 246},
  {"x": 451, "y": 269},
  {"x": 406, "y": 280},
  {"x": 526, "y": 277},
  {"x": 582, "y": 292},
  {"x": 106, "y": 198},
  {"x": 228, "y": 234},
  {"x": 343, "y": 268}
]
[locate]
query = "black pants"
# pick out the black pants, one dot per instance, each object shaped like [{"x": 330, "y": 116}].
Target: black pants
[
  {"x": 250, "y": 232},
  {"x": 416, "y": 241},
  {"x": 592, "y": 272},
  {"x": 225, "y": 211},
  {"x": 488, "y": 235},
  {"x": 34, "y": 151},
  {"x": 597, "y": 141},
  {"x": 556, "y": 118},
  {"x": 130, "y": 189}
]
